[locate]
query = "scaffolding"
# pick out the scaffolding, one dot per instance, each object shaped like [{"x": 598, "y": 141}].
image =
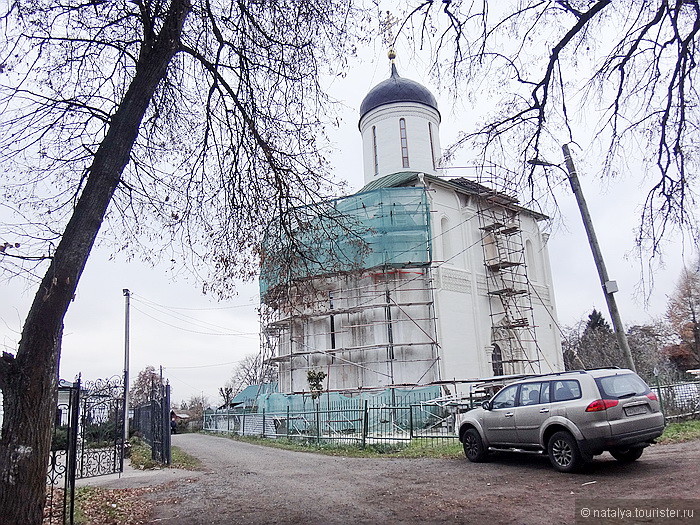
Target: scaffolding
[
  {"x": 359, "y": 304},
  {"x": 368, "y": 330},
  {"x": 513, "y": 331},
  {"x": 362, "y": 309}
]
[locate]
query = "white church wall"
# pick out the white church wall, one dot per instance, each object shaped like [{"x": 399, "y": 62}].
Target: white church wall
[
  {"x": 385, "y": 122},
  {"x": 364, "y": 333},
  {"x": 462, "y": 320},
  {"x": 462, "y": 301},
  {"x": 542, "y": 296}
]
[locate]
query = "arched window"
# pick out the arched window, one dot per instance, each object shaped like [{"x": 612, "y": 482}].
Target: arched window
[
  {"x": 445, "y": 237},
  {"x": 532, "y": 272},
  {"x": 374, "y": 150},
  {"x": 404, "y": 143},
  {"x": 497, "y": 360},
  {"x": 432, "y": 147}
]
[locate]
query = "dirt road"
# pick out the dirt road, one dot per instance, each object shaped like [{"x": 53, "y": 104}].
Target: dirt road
[{"x": 246, "y": 483}]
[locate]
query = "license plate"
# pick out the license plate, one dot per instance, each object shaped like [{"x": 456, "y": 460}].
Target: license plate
[{"x": 636, "y": 410}]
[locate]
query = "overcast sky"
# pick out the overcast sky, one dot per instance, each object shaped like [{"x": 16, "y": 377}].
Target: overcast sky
[{"x": 198, "y": 341}]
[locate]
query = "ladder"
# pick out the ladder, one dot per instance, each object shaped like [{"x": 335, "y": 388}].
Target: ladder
[{"x": 512, "y": 321}]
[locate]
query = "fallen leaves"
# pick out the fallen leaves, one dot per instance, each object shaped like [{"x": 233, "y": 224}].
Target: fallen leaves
[{"x": 113, "y": 506}]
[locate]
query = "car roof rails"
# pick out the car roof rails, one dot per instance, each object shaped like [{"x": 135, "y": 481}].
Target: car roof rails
[
  {"x": 567, "y": 372},
  {"x": 555, "y": 374}
]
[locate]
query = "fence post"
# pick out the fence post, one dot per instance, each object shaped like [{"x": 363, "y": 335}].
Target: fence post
[
  {"x": 287, "y": 423},
  {"x": 365, "y": 424},
  {"x": 410, "y": 421},
  {"x": 72, "y": 452},
  {"x": 167, "y": 455},
  {"x": 263, "y": 422},
  {"x": 243, "y": 424},
  {"x": 318, "y": 423},
  {"x": 661, "y": 397}
]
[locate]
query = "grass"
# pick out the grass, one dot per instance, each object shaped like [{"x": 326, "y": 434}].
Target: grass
[
  {"x": 680, "y": 432},
  {"x": 140, "y": 455},
  {"x": 426, "y": 448},
  {"x": 416, "y": 448},
  {"x": 181, "y": 459}
]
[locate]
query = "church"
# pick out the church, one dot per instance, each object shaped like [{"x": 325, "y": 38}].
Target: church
[{"x": 417, "y": 281}]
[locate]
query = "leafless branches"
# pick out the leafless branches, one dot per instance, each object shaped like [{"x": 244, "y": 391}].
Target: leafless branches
[
  {"x": 554, "y": 69},
  {"x": 232, "y": 139}
]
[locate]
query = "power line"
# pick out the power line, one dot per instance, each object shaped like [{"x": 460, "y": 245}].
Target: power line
[
  {"x": 141, "y": 298},
  {"x": 200, "y": 366},
  {"x": 248, "y": 335},
  {"x": 195, "y": 321}
]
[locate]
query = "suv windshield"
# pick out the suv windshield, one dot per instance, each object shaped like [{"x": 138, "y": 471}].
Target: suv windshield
[{"x": 621, "y": 386}]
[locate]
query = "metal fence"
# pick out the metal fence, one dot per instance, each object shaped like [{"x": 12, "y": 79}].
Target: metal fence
[
  {"x": 680, "y": 400},
  {"x": 358, "y": 423},
  {"x": 87, "y": 441},
  {"x": 361, "y": 423},
  {"x": 152, "y": 422}
]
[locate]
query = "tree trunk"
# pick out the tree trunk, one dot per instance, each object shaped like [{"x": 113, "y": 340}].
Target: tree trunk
[{"x": 29, "y": 379}]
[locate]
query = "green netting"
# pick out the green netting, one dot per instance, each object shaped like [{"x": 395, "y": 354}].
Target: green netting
[
  {"x": 388, "y": 412},
  {"x": 386, "y": 227}
]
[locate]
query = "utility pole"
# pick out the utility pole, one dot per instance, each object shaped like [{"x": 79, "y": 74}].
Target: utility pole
[
  {"x": 127, "y": 296},
  {"x": 609, "y": 287}
]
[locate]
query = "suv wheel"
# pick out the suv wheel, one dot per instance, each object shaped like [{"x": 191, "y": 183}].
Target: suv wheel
[
  {"x": 473, "y": 446},
  {"x": 627, "y": 455},
  {"x": 564, "y": 453}
]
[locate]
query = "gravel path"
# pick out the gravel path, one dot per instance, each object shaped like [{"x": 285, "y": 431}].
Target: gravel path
[{"x": 246, "y": 483}]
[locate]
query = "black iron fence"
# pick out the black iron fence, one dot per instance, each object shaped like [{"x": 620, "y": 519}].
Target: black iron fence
[
  {"x": 87, "y": 441},
  {"x": 60, "y": 489},
  {"x": 152, "y": 422}
]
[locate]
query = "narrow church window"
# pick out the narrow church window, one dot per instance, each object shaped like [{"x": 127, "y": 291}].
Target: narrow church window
[
  {"x": 332, "y": 318},
  {"x": 446, "y": 245},
  {"x": 497, "y": 360},
  {"x": 531, "y": 262},
  {"x": 374, "y": 150},
  {"x": 404, "y": 143},
  {"x": 432, "y": 147}
]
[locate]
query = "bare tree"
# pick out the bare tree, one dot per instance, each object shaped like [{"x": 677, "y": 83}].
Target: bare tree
[
  {"x": 592, "y": 344},
  {"x": 683, "y": 315},
  {"x": 142, "y": 388},
  {"x": 226, "y": 394},
  {"x": 648, "y": 343},
  {"x": 252, "y": 370},
  {"x": 626, "y": 68},
  {"x": 196, "y": 405},
  {"x": 177, "y": 123}
]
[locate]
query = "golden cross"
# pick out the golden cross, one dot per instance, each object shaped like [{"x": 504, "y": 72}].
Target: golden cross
[{"x": 386, "y": 28}]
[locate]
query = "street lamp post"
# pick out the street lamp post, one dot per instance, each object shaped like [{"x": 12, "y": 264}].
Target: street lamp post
[{"x": 609, "y": 287}]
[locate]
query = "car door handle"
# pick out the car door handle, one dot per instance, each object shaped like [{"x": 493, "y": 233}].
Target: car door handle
[
  {"x": 508, "y": 414},
  {"x": 544, "y": 410}
]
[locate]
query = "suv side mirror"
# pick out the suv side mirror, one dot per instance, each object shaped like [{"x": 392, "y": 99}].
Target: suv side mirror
[{"x": 486, "y": 405}]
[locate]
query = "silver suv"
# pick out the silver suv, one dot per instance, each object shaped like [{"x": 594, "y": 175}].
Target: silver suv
[{"x": 572, "y": 416}]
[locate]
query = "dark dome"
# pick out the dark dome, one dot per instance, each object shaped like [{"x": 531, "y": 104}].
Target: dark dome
[{"x": 396, "y": 89}]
